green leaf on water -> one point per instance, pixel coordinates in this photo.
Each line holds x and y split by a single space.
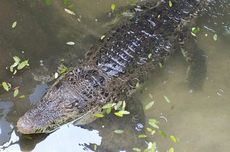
154 123
149 105
195 30
16 62
136 149
173 138
16 92
162 133
170 3
151 147
6 86
70 43
215 37
123 105
152 132
23 64
69 11
167 99
121 113
108 110
113 7
14 24
142 136
118 131
118 105
108 105
62 69
171 149
99 115
22 97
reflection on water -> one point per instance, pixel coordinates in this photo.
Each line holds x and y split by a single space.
199 120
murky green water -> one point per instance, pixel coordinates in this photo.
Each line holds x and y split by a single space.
198 120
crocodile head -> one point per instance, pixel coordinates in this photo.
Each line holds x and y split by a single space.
71 98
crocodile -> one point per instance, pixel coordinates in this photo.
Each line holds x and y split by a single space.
122 57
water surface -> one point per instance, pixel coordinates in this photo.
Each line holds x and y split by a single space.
199 120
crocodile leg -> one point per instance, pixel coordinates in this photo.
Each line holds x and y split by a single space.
195 57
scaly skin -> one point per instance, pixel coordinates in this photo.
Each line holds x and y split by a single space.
107 74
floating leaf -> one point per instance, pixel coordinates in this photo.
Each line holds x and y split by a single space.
160 65
171 149
173 138
121 113
136 149
215 37
162 133
151 147
108 105
149 105
118 105
195 30
167 99
108 110
62 69
99 115
23 64
153 123
16 92
142 136
150 55
94 147
56 75
123 105
14 24
113 7
16 62
6 86
69 11
102 37
118 131
152 132
22 97
70 43
170 3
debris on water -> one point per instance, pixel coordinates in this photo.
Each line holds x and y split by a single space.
118 131
149 105
136 149
139 127
16 92
6 86
154 123
162 133
170 3
113 7
215 37
171 150
102 37
164 118
70 43
220 92
69 11
142 136
173 138
14 24
167 99
56 75
195 30
99 115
